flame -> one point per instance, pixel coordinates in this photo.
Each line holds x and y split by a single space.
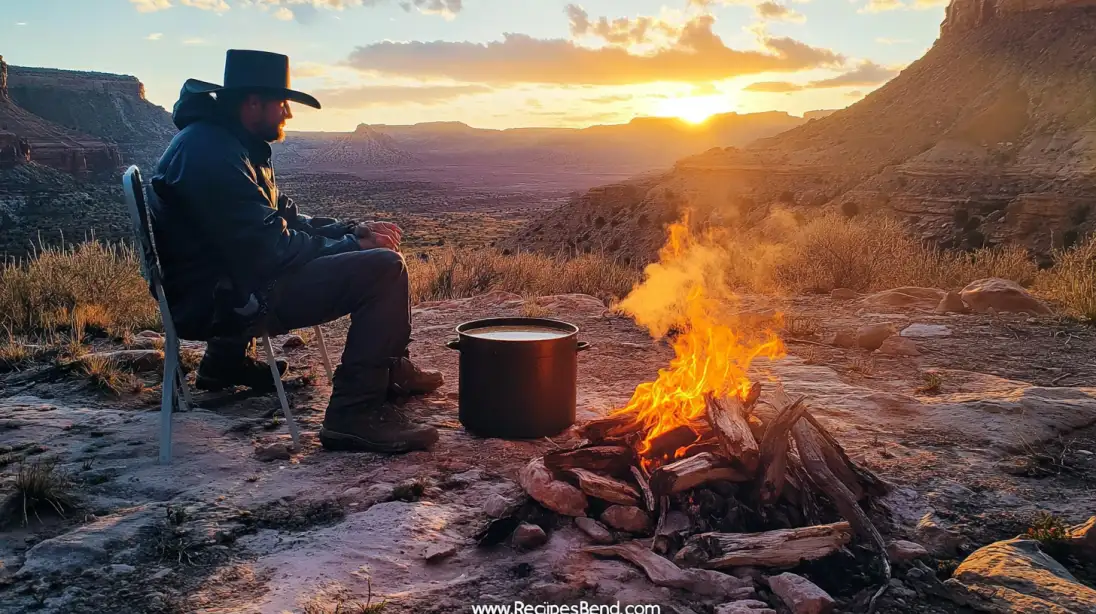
685 294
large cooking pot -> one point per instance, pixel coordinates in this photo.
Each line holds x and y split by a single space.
517 376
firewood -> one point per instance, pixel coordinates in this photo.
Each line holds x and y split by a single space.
693 471
608 460
556 495
751 397
665 444
781 548
605 488
609 427
774 451
728 421
866 480
710 446
644 487
673 528
663 572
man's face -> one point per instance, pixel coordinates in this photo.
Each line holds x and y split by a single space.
268 118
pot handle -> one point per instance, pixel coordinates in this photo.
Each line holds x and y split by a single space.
453 344
583 346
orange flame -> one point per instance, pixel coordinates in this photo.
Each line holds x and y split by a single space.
685 293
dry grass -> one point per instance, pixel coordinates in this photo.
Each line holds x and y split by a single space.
107 375
933 383
1071 282
41 487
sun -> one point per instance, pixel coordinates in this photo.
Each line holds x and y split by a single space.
694 109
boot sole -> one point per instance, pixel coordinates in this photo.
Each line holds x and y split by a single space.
342 442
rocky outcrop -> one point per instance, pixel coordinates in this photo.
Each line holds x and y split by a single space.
108 106
965 15
365 147
48 143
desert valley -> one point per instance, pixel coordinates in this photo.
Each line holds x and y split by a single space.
839 362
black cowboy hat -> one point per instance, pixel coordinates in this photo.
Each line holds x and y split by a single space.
254 71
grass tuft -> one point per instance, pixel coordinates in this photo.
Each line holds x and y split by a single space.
41 487
106 374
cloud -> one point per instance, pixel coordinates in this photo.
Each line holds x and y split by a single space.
609 99
381 95
155 36
879 6
446 8
217 6
283 14
195 41
306 70
778 12
698 54
622 31
150 6
855 94
867 73
20 23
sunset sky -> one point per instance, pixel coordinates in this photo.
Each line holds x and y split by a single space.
495 63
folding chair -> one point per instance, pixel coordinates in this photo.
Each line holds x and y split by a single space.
174 381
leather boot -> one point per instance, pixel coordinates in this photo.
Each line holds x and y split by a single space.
359 418
407 379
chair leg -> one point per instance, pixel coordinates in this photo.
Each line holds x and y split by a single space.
324 355
167 402
294 432
185 400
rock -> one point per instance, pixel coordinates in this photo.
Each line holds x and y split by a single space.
120 569
556 495
901 551
898 346
626 518
351 494
437 552
594 530
160 575
92 543
841 339
801 595
843 294
529 536
747 606
872 336
1001 295
1016 576
925 330
379 492
951 303
498 506
293 341
909 296
1083 536
936 539
273 452
138 361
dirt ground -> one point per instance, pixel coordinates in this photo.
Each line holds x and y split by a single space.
1009 433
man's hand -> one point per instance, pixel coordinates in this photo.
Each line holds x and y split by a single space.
373 235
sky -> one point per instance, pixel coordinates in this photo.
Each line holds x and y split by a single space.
495 63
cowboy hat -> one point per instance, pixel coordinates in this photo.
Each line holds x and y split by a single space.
258 71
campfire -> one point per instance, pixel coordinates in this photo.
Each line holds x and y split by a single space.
703 469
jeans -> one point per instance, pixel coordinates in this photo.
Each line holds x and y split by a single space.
370 286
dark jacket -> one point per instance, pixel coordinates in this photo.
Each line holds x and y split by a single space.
223 232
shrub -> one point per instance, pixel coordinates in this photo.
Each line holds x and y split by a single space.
1071 282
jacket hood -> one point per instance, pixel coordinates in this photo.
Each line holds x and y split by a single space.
192 107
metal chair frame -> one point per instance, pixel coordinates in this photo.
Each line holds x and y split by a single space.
175 392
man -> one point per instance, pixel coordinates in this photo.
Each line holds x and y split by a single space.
239 258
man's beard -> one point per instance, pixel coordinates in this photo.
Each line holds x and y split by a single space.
273 134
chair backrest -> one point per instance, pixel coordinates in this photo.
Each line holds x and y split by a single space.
142 232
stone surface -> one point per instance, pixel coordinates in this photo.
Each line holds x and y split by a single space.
1083 536
556 495
898 346
843 294
918 331
273 452
1015 576
951 303
902 550
627 518
528 536
122 569
909 296
800 595
936 539
498 506
92 543
746 606
841 339
594 530
872 336
438 552
293 341
966 15
1001 295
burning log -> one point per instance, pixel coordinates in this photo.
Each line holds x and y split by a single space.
556 495
606 489
782 548
616 426
667 443
609 460
663 572
729 422
693 471
774 451
645 488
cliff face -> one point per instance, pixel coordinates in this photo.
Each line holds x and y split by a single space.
110 107
46 142
989 138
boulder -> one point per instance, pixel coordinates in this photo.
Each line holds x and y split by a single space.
951 303
919 331
936 539
872 336
627 518
273 452
594 530
1001 295
498 506
909 296
898 346
800 595
437 552
841 339
1083 537
293 341
843 294
529 536
901 551
1015 576
556 495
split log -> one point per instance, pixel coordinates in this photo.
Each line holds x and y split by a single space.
673 528
644 487
665 444
607 460
710 446
751 397
605 488
728 420
693 471
781 548
866 480
615 426
799 485
663 572
774 451
556 495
